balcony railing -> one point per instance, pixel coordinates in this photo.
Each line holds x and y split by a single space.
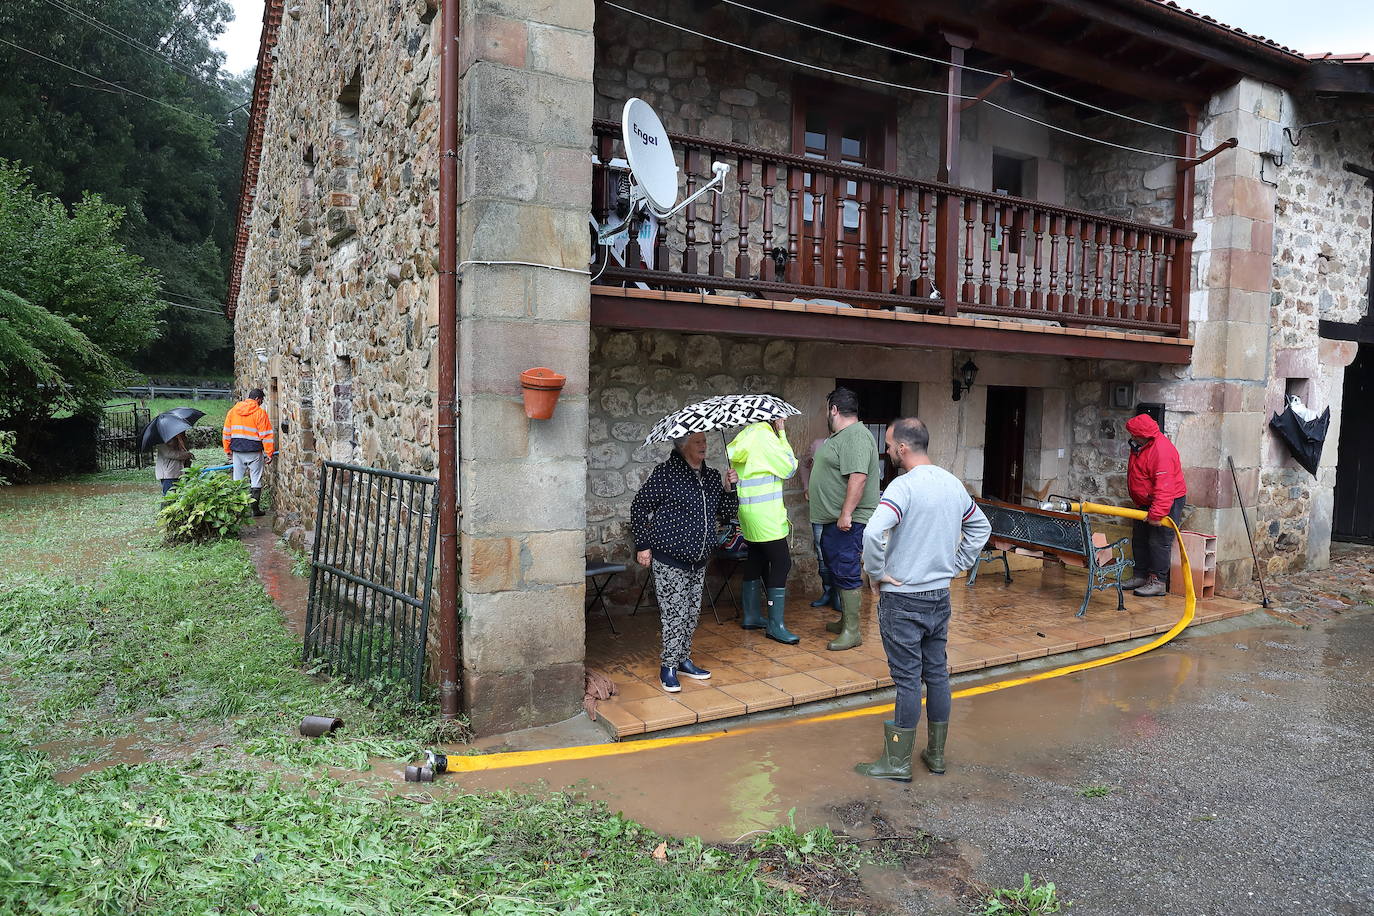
787 226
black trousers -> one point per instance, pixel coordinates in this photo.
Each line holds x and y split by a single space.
1153 544
770 561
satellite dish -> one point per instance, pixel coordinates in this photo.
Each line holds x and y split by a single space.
650 154
653 167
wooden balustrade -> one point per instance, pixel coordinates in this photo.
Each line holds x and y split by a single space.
788 226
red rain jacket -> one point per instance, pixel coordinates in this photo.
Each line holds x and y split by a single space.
1154 474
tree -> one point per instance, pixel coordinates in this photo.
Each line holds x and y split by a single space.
74 304
128 99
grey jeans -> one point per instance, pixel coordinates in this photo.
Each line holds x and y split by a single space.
915 630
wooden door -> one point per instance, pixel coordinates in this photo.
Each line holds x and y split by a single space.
840 215
1004 444
1353 513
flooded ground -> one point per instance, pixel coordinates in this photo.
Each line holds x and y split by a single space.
290 591
1221 774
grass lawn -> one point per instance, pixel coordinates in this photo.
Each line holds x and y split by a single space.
214 410
164 679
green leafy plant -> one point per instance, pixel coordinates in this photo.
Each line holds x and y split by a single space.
1096 791
801 847
7 440
205 507
1027 900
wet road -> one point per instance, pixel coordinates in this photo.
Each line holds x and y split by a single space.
1240 767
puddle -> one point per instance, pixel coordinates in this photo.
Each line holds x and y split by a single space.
1002 744
288 591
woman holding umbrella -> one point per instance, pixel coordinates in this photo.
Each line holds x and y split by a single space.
677 512
675 516
167 435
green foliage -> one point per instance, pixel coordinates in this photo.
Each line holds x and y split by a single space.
172 165
7 440
1026 900
798 848
1096 791
205 507
166 840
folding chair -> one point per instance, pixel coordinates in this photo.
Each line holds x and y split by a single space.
608 572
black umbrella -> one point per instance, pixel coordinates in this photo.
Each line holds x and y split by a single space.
1304 438
167 425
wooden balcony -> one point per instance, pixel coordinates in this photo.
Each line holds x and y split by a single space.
789 230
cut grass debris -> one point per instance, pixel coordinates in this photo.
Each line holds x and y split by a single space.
157 840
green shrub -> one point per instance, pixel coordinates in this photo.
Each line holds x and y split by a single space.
205 507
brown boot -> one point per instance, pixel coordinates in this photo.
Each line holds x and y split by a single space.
1135 582
1152 589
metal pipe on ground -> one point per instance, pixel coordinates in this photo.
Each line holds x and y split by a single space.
448 366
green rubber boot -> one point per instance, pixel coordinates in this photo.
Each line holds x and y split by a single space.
895 763
850 599
835 626
751 598
777 600
934 754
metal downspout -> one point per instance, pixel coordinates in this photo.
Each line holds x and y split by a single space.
448 363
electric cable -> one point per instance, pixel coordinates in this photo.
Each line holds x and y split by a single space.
878 82
139 46
115 86
968 67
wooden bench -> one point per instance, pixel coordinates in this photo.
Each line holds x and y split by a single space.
1063 536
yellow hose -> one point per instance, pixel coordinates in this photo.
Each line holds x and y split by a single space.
586 752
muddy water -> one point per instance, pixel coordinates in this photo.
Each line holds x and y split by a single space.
725 789
289 591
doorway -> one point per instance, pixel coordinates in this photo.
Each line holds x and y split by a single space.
1004 444
848 127
1353 512
879 404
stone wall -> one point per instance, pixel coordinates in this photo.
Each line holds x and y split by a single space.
1122 183
1321 271
337 314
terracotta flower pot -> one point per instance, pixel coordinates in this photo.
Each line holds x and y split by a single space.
541 388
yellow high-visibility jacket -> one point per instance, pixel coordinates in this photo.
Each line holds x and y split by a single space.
247 422
763 459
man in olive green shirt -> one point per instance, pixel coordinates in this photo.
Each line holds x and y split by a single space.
844 490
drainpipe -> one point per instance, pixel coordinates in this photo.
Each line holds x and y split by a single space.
448 360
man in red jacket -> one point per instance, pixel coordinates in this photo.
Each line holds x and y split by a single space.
1154 478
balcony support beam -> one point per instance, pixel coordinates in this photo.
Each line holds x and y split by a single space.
948 207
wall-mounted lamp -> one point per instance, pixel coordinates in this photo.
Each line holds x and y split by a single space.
967 373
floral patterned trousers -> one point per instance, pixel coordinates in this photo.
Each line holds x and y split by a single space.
679 604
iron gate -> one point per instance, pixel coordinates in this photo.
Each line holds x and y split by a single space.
371 575
116 439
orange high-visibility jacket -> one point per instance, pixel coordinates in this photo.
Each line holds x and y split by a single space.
247 420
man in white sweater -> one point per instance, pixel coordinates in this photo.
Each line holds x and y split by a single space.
925 530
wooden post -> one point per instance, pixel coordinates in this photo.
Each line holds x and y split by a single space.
1184 196
947 206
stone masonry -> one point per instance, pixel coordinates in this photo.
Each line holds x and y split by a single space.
336 319
526 87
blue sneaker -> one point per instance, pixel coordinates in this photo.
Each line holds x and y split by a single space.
668 678
692 671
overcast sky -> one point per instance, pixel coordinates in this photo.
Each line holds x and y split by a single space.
1310 26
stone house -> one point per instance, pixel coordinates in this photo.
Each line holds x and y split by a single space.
1082 231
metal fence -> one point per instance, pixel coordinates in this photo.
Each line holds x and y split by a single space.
116 438
371 575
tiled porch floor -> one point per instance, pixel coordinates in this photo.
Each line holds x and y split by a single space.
993 624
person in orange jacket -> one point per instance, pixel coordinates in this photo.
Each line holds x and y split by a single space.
248 443
1154 478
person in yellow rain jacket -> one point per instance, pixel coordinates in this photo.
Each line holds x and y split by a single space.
248 443
763 459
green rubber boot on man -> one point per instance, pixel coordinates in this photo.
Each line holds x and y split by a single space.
751 599
895 762
850 601
934 754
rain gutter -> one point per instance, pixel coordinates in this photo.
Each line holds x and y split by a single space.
448 361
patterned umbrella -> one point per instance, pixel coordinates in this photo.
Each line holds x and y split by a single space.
724 411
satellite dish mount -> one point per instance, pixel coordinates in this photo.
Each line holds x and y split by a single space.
653 168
